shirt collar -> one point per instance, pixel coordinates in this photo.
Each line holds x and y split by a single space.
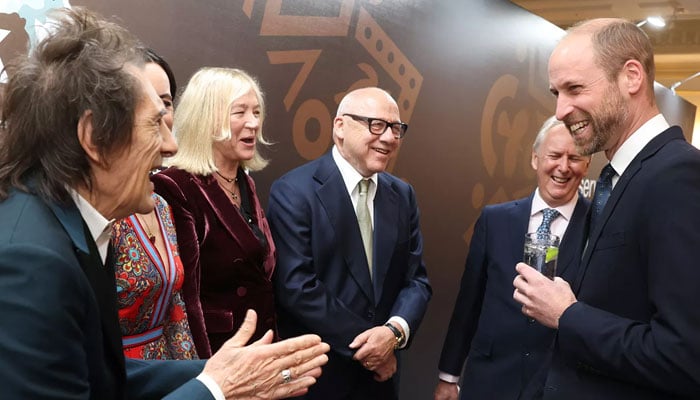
566 210
99 226
350 175
635 143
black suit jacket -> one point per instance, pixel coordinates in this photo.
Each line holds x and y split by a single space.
59 333
504 348
635 331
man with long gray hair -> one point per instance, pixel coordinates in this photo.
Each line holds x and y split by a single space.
81 129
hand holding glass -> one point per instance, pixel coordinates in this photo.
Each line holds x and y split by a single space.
541 252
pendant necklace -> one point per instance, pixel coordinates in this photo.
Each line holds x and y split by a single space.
151 236
233 194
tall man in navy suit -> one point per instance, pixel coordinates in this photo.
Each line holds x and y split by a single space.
355 277
502 347
628 325
81 129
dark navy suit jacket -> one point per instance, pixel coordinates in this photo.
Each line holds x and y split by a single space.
322 282
635 331
59 331
503 348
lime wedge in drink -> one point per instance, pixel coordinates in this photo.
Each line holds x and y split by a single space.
552 254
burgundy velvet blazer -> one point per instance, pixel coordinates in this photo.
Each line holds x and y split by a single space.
227 269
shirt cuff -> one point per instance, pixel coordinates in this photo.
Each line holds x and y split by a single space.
448 378
212 386
404 325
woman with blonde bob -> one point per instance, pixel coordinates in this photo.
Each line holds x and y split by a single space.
224 238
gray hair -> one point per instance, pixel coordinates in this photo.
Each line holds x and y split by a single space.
78 67
550 123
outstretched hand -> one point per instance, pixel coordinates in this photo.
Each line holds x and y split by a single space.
255 371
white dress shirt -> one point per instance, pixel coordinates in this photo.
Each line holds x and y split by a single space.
351 178
101 230
634 144
560 223
558 227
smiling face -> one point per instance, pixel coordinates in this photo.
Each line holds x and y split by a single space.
559 166
245 124
127 184
366 152
592 107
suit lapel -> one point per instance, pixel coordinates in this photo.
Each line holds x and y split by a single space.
519 216
101 280
103 284
227 214
573 238
334 198
386 217
673 133
594 235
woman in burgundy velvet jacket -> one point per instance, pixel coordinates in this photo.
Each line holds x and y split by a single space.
224 238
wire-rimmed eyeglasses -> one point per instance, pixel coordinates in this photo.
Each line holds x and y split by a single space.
378 126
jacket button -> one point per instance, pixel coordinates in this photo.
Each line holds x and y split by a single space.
241 291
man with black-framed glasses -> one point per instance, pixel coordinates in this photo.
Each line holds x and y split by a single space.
349 252
377 126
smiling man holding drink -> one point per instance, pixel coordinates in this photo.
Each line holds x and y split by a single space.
506 346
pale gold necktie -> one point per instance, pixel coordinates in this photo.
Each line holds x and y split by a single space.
364 220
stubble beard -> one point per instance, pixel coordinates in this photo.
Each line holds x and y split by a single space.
606 122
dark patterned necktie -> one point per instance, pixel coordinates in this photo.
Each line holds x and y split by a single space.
603 188
548 215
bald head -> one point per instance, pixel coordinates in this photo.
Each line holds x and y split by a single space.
368 98
367 151
592 25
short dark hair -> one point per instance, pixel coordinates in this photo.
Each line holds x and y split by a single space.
153 57
78 67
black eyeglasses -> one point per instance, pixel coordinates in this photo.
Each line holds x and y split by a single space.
378 126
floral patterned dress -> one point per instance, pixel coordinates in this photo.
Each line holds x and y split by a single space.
151 311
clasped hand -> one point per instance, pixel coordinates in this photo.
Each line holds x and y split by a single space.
375 351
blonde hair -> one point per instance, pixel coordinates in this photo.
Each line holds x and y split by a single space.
203 117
